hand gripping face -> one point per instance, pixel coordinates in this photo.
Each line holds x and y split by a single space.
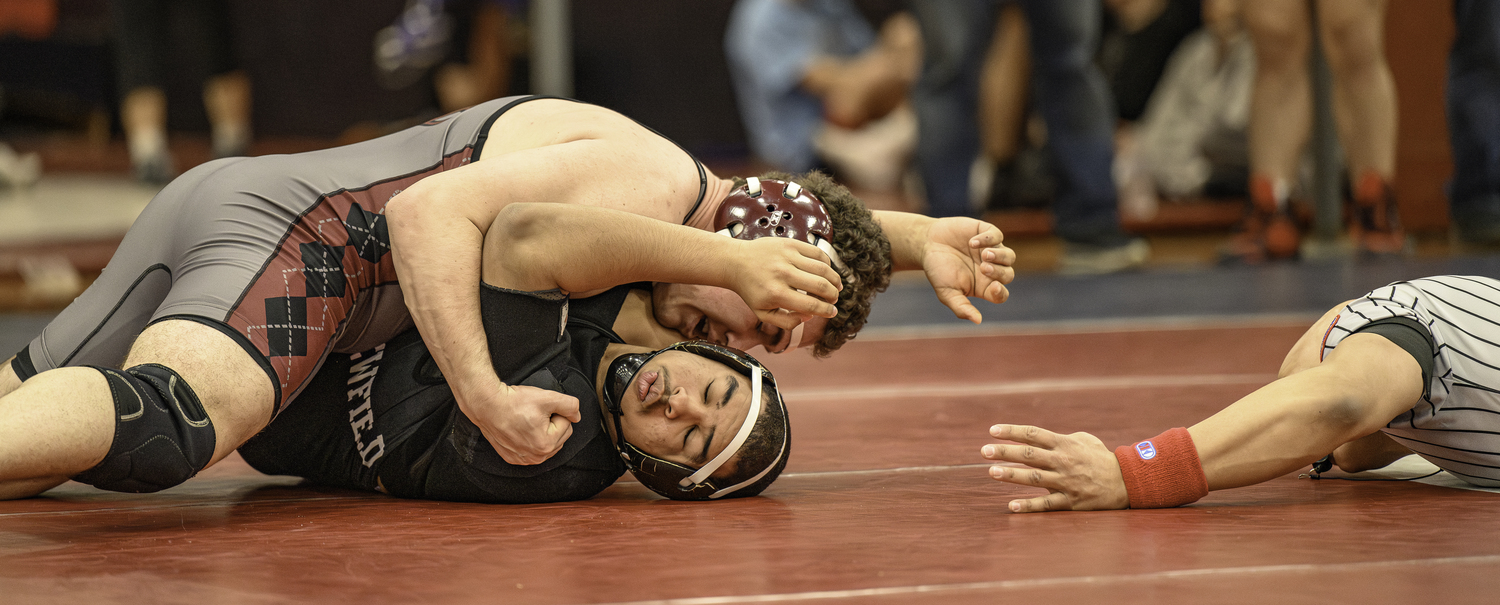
679 482
772 208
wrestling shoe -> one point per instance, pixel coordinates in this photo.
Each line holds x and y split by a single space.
1100 259
1269 231
1375 225
154 169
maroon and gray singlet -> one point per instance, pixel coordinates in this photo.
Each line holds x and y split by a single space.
288 254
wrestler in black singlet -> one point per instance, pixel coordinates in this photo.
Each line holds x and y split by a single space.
384 419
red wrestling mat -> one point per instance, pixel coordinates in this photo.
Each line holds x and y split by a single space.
885 501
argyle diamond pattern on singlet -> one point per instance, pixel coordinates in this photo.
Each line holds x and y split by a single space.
324 269
368 233
286 326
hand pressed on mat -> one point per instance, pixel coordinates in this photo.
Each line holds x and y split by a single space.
1077 470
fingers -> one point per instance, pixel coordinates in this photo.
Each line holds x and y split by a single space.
1023 475
817 254
996 293
1029 435
1029 455
1050 502
559 428
1002 273
959 304
999 255
779 318
816 278
552 404
990 236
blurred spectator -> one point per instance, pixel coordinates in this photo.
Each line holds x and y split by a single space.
1364 107
485 45
151 36
33 19
1145 34
818 87
1192 134
1010 133
19 169
1474 121
1069 91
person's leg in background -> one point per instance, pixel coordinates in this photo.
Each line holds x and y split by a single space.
1004 90
1474 121
141 35
1074 100
1364 100
955 36
1280 124
207 37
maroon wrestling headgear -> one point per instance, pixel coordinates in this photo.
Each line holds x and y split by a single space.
777 209
773 208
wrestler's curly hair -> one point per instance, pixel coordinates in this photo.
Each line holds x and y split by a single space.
863 247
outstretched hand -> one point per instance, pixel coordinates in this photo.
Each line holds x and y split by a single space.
965 257
1077 470
785 281
526 425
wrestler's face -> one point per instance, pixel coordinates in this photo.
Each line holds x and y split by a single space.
720 316
684 408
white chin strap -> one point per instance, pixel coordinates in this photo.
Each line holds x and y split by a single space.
796 338
734 445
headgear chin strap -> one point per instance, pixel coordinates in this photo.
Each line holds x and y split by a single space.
774 208
677 481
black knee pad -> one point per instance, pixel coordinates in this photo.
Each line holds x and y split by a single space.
162 434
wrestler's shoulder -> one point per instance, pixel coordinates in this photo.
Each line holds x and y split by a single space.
541 122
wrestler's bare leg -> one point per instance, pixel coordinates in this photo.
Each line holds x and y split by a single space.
60 422
8 379
1372 451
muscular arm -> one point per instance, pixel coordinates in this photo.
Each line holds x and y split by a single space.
438 225
1364 383
580 249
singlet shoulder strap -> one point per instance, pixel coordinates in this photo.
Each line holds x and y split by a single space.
702 173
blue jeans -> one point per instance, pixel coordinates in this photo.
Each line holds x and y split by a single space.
1474 114
1067 87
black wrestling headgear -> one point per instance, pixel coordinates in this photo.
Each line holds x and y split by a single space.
679 482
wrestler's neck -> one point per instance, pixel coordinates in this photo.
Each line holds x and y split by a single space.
713 197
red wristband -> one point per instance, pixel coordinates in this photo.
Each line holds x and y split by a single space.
1163 471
